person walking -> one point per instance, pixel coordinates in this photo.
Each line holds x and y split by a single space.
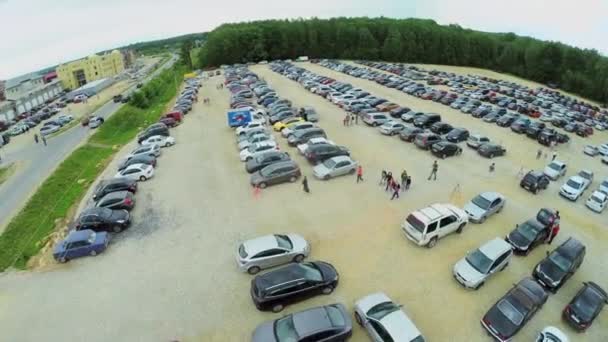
539 153
44 140
492 167
359 174
389 180
403 179
408 182
553 233
434 171
396 188
347 120
36 138
382 177
554 155
356 119
305 185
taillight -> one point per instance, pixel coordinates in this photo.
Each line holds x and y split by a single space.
128 201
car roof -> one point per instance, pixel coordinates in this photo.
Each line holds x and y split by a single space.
528 292
138 166
557 162
115 194
577 179
596 288
433 212
259 244
338 159
491 195
599 194
78 235
570 248
495 248
309 321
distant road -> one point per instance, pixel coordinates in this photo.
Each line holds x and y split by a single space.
38 161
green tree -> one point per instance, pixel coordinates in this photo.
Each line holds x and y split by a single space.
391 49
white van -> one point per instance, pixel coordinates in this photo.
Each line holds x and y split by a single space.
425 226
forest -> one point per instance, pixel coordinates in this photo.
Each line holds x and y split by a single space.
160 46
580 71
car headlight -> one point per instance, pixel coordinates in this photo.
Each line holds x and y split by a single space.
120 221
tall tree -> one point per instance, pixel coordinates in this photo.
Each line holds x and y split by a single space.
391 49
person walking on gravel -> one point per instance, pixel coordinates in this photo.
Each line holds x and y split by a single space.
383 177
539 153
434 171
36 138
359 174
408 182
389 180
396 189
305 185
403 179
44 140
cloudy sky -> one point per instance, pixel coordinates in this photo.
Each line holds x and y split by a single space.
41 33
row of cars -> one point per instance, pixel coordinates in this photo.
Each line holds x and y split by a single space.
113 199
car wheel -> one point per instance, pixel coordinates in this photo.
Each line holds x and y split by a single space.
277 308
292 179
505 266
460 228
63 260
93 253
142 178
482 219
479 285
253 270
262 185
167 144
117 229
433 242
358 318
352 171
298 258
327 290
326 177
375 124
535 191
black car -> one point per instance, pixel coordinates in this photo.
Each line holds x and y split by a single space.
554 270
480 113
526 236
457 135
265 159
445 149
511 312
150 132
397 112
117 184
409 133
138 159
280 116
426 120
534 130
490 150
117 98
505 120
520 126
303 135
426 140
585 306
103 219
292 283
320 152
117 200
441 127
534 181
492 117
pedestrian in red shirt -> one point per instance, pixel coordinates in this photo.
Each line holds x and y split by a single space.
359 174
553 234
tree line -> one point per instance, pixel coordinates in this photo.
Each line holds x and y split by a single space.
581 71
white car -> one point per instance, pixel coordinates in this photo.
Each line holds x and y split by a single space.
591 150
426 226
391 127
597 201
586 175
555 169
289 130
244 129
50 129
150 150
271 250
604 186
254 139
473 270
603 149
140 172
384 320
256 149
313 141
573 188
159 140
551 334
334 167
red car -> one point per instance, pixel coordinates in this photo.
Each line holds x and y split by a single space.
176 115
170 122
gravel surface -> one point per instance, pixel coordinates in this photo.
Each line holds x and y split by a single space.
172 275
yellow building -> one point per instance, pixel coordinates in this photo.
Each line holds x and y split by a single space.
75 74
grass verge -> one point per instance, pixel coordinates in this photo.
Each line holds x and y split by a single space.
6 172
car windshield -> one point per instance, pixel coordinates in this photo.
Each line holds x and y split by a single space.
329 163
335 316
92 237
414 222
510 312
562 262
378 311
284 330
284 242
528 231
479 261
586 304
585 175
310 271
242 252
574 184
596 199
605 183
267 170
481 202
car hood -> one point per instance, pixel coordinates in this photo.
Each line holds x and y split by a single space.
320 170
467 272
264 333
549 171
518 240
570 189
473 210
119 215
497 322
299 243
550 272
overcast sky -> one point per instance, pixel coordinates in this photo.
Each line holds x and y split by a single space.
40 33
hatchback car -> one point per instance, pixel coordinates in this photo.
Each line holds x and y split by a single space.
553 271
573 188
103 219
111 185
258 148
551 334
150 150
140 159
265 159
526 236
160 140
313 141
302 136
490 150
319 153
334 167
385 320
298 126
140 172
555 169
391 127
291 283
511 312
441 127
585 306
375 119
276 173
444 149
591 150
534 181
477 140
597 201
409 133
117 200
329 323
426 140
473 270
484 205
81 243
426 226
271 250
457 135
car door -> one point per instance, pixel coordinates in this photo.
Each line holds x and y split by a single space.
499 263
447 225
341 168
273 257
494 206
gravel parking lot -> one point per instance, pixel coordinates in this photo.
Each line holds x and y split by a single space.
173 275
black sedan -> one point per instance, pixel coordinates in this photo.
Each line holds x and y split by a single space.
445 149
409 133
490 150
534 181
292 283
457 135
116 184
265 159
441 127
526 236
511 312
117 200
103 219
585 306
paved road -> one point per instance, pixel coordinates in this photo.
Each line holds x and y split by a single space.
38 161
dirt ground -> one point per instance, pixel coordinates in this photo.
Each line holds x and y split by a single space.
172 275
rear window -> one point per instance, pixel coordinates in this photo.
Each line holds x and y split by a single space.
335 316
416 223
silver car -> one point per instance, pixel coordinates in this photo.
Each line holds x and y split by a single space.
473 270
391 127
148 150
271 250
335 166
384 320
254 139
484 205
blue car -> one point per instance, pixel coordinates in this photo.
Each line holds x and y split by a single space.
81 243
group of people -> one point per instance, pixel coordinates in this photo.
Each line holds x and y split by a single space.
206 100
220 86
43 139
539 154
350 118
390 183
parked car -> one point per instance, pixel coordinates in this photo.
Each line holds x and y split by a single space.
149 150
484 205
391 127
80 243
573 188
140 159
511 312
265 159
534 181
457 135
298 126
140 172
291 283
375 119
276 173
256 149
271 250
490 150
111 185
117 200
385 320
303 136
95 121
591 150
409 133
585 306
555 169
445 149
320 152
311 142
309 114
155 129
329 323
597 201
160 140
103 219
473 270
477 140
527 236
280 125
50 129
426 140
427 120
334 167
426 226
587 176
553 271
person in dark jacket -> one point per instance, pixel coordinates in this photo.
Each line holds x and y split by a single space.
305 185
